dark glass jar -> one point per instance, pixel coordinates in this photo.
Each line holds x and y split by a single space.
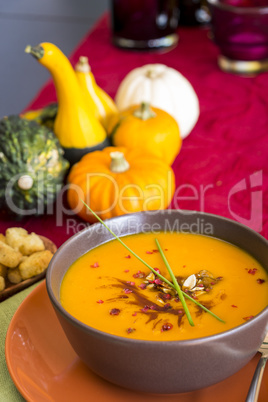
144 24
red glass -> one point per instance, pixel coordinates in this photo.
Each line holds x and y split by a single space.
240 29
144 24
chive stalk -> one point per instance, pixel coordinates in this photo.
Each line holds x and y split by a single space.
175 283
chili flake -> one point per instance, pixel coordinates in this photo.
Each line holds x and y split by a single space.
114 311
167 306
139 274
252 271
126 290
149 252
248 318
166 327
100 301
260 281
142 286
131 283
95 265
166 296
233 305
145 309
130 330
128 256
126 270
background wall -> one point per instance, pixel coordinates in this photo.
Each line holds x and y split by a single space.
29 22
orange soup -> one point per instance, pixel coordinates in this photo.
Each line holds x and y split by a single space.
111 290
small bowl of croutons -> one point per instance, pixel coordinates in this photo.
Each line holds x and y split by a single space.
24 258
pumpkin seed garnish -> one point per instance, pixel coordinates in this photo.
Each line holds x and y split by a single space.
189 282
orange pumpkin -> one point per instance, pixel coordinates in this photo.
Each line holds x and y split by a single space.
148 128
117 181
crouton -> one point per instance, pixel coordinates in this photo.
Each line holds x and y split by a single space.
14 275
35 264
3 270
8 256
2 283
2 238
25 243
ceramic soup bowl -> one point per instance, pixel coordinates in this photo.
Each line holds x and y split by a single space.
165 367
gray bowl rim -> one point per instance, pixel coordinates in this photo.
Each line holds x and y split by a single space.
116 338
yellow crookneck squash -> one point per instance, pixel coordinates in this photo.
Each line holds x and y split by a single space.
147 128
117 181
76 125
99 101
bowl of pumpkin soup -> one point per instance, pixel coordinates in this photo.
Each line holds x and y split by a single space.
162 302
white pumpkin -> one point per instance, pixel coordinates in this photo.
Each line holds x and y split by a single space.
162 87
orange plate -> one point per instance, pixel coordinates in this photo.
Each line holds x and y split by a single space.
11 288
44 366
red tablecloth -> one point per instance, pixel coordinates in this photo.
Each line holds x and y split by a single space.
222 167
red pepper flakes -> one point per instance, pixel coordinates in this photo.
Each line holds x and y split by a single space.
95 265
130 330
184 266
248 318
126 290
126 270
149 252
155 251
260 281
157 270
114 311
100 301
166 327
252 271
145 309
130 283
142 286
167 306
139 274
233 305
128 256
166 249
134 314
213 283
158 281
166 296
